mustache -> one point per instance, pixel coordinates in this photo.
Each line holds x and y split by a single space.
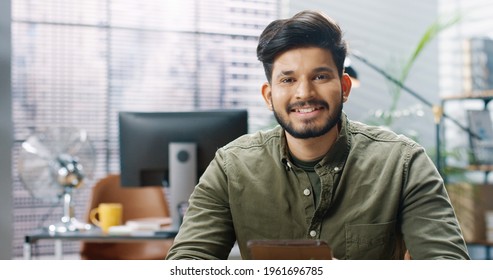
310 103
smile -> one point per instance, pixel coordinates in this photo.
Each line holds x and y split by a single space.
306 107
306 110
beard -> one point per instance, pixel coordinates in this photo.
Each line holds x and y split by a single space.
310 130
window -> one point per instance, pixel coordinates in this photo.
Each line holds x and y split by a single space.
78 63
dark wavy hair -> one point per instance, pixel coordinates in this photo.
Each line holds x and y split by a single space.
305 29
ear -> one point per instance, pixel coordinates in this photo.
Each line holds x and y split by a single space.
346 86
267 94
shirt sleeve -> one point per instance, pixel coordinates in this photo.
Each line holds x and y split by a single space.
429 224
207 230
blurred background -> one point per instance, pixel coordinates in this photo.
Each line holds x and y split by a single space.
77 64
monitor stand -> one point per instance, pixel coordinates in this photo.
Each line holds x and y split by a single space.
182 178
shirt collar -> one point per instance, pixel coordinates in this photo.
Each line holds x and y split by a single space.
338 153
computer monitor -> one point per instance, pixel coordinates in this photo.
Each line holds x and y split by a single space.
174 148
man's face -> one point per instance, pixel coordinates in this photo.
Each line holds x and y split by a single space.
306 92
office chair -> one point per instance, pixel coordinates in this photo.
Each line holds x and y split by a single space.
138 202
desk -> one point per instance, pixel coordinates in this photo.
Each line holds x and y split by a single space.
92 235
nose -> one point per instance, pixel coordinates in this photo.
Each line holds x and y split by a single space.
304 89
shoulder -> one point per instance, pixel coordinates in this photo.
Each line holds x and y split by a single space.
363 132
260 139
382 142
251 150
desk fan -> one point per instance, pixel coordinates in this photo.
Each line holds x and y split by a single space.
52 164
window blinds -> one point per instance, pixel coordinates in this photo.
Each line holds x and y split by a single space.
78 63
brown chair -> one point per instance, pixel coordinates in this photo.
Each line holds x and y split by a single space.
137 203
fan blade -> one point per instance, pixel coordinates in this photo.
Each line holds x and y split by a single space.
53 159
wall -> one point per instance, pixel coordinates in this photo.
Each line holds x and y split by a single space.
5 134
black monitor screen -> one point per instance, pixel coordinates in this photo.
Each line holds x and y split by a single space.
145 136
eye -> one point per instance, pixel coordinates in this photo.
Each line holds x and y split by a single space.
321 77
287 80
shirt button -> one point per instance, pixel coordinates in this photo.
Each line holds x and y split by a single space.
313 233
306 192
336 169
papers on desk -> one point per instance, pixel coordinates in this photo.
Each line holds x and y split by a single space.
119 230
141 226
152 224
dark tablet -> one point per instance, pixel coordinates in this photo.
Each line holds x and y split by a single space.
289 250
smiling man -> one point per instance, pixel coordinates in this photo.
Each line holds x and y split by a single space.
367 192
305 81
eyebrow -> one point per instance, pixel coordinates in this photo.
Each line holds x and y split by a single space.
316 70
285 73
323 69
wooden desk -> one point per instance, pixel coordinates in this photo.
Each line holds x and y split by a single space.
92 235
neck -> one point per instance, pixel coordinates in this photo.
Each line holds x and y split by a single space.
312 149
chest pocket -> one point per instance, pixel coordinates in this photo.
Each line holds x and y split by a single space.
371 241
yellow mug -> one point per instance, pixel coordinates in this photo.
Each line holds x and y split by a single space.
107 215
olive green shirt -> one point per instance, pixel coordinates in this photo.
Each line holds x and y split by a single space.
379 193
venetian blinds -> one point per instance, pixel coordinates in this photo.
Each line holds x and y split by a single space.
78 63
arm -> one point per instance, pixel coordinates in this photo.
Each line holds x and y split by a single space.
207 231
429 224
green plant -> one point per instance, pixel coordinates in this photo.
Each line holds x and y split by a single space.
387 117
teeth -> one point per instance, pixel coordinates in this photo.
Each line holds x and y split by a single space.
305 110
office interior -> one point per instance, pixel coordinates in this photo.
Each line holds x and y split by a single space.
79 63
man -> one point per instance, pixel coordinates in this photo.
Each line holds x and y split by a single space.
367 192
